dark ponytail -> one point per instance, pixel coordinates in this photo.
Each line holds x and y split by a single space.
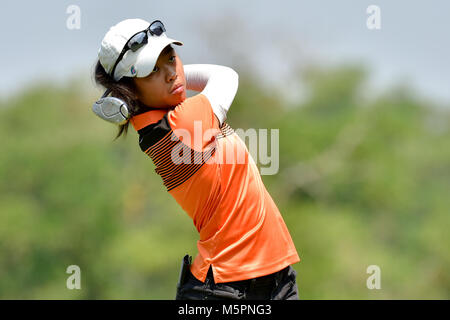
123 89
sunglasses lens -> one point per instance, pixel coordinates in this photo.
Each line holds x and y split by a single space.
157 28
138 41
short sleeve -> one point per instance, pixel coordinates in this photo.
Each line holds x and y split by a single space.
193 122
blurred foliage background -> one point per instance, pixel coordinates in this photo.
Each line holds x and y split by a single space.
362 181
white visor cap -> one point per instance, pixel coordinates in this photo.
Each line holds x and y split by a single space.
133 64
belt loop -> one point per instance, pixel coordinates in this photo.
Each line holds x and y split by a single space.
251 285
278 278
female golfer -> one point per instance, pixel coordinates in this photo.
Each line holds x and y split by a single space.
245 250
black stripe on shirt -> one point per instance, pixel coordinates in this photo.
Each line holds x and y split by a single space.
154 132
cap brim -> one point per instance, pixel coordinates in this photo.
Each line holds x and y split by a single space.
148 55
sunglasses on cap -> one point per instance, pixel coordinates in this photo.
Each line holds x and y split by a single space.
137 41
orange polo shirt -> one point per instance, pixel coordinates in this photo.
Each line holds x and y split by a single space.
212 176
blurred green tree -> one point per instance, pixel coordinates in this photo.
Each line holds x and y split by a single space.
361 182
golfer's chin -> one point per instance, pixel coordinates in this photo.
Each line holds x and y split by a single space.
177 99
169 103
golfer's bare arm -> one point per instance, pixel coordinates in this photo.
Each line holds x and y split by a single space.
218 83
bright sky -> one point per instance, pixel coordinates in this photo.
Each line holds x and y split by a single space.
412 45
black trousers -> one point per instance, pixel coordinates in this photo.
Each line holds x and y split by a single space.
277 286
